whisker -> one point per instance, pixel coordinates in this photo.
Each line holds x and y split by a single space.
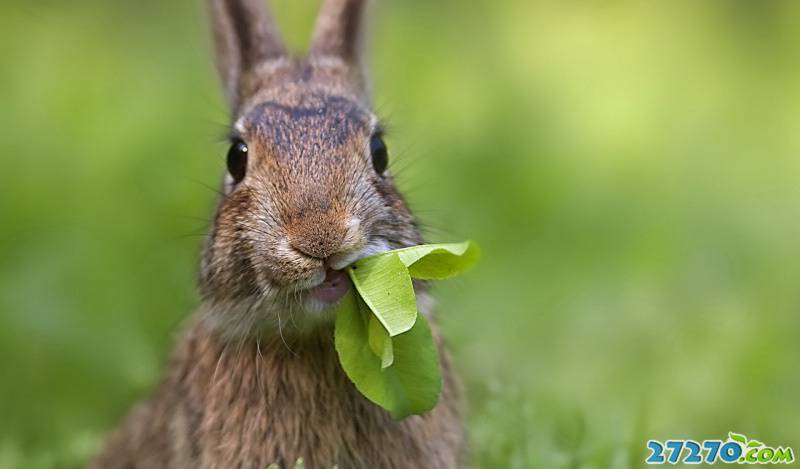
219 360
280 332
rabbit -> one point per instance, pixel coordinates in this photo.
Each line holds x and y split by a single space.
254 379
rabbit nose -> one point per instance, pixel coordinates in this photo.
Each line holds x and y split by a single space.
318 235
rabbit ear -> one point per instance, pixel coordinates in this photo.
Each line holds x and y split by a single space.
338 32
245 36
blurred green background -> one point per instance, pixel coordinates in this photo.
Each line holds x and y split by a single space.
630 169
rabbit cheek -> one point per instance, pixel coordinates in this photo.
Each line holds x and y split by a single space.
230 262
288 268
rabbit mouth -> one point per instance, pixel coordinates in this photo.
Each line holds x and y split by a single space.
328 288
297 308
334 286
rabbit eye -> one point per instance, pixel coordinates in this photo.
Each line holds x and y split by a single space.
237 160
380 156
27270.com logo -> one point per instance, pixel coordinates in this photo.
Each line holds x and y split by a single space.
737 449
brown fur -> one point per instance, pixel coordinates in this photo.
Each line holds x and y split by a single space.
250 404
255 379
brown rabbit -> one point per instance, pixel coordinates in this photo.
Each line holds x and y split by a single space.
255 379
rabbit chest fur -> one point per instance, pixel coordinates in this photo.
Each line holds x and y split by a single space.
254 403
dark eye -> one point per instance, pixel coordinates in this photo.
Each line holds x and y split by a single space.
380 156
237 160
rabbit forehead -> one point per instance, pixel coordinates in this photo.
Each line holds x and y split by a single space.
301 125
318 120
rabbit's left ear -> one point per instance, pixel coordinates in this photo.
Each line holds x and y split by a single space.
245 36
338 34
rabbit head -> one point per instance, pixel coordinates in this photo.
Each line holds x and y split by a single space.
307 189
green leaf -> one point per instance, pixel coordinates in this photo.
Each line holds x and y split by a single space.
411 385
385 347
439 261
385 285
379 340
754 444
737 437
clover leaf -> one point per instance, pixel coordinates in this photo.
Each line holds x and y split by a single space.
385 347
439 261
383 283
411 385
380 342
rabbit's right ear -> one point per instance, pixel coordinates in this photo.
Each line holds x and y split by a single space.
245 36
